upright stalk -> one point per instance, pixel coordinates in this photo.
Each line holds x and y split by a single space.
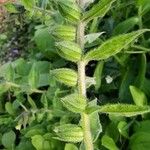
82 85
141 23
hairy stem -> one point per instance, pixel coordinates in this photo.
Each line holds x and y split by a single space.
82 85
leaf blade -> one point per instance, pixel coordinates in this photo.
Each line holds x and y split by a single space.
98 10
127 110
113 46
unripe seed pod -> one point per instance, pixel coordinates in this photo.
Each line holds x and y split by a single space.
69 50
70 10
66 76
75 103
63 32
69 133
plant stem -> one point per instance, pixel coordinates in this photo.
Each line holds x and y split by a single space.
141 48
81 78
82 85
141 23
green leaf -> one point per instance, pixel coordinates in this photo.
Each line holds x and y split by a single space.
44 101
28 4
142 68
10 73
24 145
145 87
126 110
123 128
10 8
66 76
46 145
3 88
69 133
22 67
5 120
70 147
145 6
112 131
126 25
34 131
40 115
142 126
9 108
98 10
140 141
33 77
128 78
0 138
96 127
8 140
32 103
74 103
38 142
113 46
139 97
45 42
98 74
92 37
109 143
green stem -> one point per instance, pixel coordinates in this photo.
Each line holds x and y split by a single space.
141 48
84 117
141 23
81 78
82 85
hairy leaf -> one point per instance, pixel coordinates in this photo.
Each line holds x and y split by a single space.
126 110
98 10
113 46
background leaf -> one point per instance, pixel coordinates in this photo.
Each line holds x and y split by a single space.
109 143
140 141
70 147
8 140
